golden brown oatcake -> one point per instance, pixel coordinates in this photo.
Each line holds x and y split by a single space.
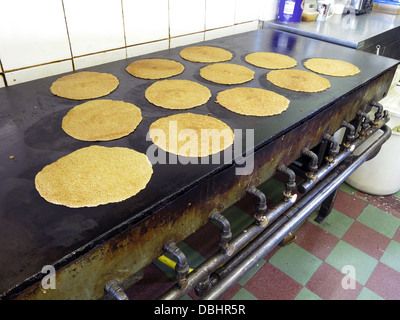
226 73
298 80
270 60
101 120
253 101
205 54
84 85
331 67
177 94
191 135
155 68
93 176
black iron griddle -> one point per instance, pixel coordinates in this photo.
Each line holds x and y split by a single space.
35 233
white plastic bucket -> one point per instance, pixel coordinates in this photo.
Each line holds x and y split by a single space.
381 174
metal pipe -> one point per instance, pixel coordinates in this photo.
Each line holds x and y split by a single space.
204 270
203 287
225 234
337 177
114 288
334 148
280 218
352 130
306 185
364 122
182 267
261 205
280 208
239 242
378 114
291 183
313 164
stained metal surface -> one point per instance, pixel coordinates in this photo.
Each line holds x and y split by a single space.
362 32
121 238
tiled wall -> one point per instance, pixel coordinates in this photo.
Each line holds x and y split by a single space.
39 38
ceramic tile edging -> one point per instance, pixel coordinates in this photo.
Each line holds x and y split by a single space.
7 84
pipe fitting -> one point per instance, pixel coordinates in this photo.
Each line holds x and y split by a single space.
203 287
313 164
378 114
334 147
291 183
114 288
225 234
351 135
261 205
364 120
182 267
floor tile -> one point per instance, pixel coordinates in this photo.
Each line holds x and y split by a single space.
367 294
196 240
391 257
344 255
348 204
389 204
379 220
238 219
347 188
251 272
335 223
326 283
243 294
366 239
296 262
270 283
315 240
231 292
306 294
396 237
384 281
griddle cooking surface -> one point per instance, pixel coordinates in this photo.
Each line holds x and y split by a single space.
35 233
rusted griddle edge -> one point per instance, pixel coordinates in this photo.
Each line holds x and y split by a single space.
127 253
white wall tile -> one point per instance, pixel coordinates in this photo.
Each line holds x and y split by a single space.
34 40
245 27
220 13
268 10
247 10
99 58
145 21
94 25
2 84
219 33
186 40
186 16
32 33
146 48
24 75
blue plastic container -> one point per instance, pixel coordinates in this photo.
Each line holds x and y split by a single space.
290 11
